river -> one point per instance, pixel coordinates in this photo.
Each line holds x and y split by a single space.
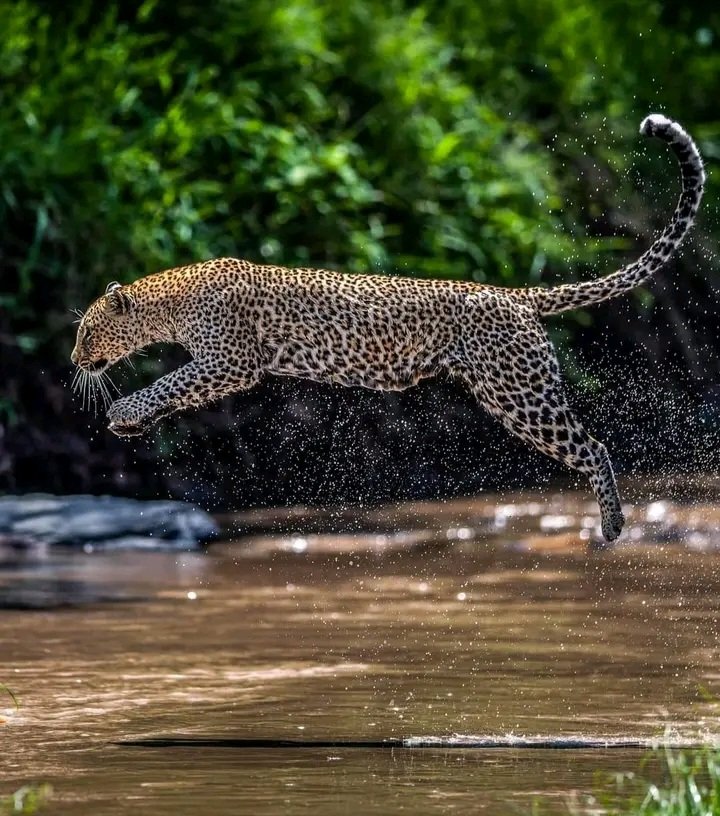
474 656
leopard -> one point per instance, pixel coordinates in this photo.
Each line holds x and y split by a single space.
240 320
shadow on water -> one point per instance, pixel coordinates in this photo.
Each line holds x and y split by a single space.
558 743
415 660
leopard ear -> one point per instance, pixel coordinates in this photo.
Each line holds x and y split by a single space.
118 300
111 286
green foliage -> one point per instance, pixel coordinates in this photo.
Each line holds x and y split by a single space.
25 801
293 132
691 788
30 798
11 694
487 141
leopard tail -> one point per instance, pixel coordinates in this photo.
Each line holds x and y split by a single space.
576 295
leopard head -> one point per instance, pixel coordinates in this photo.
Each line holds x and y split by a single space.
109 330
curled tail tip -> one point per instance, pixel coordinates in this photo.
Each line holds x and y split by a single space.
679 140
663 128
656 122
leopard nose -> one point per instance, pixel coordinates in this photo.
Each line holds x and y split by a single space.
74 357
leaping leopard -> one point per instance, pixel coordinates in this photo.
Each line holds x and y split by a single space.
240 320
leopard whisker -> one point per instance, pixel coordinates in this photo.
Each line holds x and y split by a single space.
103 381
87 391
83 389
77 383
102 393
93 388
99 391
108 379
91 399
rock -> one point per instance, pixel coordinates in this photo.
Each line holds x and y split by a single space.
105 522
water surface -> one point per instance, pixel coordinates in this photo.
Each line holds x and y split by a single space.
292 671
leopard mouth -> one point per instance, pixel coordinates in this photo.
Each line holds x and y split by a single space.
94 367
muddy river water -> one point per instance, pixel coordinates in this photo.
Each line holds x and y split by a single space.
465 657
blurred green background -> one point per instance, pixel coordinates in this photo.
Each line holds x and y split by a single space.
492 141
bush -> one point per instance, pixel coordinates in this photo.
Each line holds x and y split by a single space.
491 141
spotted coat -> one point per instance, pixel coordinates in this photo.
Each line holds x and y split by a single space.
240 320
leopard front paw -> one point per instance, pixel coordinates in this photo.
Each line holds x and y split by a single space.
126 418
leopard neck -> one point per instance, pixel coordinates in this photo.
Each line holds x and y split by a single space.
155 299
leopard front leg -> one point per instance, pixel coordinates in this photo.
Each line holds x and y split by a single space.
192 385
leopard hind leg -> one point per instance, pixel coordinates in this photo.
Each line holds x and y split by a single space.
519 383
